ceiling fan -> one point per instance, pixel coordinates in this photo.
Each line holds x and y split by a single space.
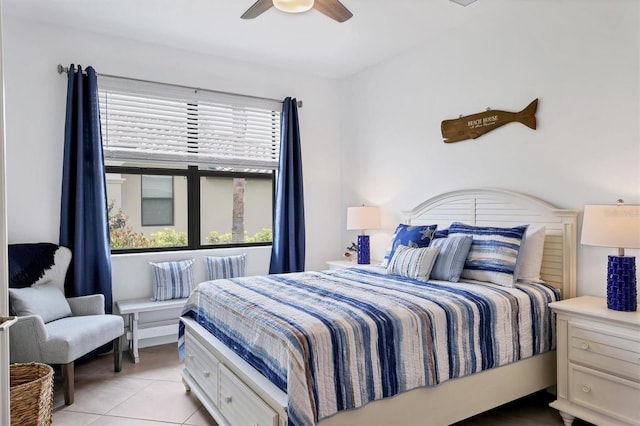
332 8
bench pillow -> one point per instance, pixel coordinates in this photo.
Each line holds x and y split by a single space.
225 266
172 280
45 300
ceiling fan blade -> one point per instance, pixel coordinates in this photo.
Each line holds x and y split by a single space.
333 9
257 9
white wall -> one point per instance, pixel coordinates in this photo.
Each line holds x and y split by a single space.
132 273
4 279
35 109
5 413
580 58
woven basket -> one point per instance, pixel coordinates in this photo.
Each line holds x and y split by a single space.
31 389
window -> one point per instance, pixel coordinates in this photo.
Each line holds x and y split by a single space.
157 200
247 197
187 168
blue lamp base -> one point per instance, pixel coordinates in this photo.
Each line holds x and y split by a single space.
364 257
621 283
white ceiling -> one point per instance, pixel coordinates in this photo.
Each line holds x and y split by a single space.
308 42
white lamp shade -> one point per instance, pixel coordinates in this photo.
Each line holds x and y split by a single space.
611 226
363 217
293 6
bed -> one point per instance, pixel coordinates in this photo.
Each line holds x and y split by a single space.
231 380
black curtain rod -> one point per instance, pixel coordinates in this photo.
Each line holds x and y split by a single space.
62 69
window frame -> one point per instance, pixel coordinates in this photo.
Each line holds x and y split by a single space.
190 132
193 175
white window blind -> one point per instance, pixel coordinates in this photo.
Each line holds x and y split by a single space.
144 121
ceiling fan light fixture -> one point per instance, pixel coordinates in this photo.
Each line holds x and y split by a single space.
460 2
293 6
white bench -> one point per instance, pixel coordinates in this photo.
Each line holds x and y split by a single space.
146 319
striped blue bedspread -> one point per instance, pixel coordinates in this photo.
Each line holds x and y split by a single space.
337 339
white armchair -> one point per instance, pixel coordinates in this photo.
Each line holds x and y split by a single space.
51 331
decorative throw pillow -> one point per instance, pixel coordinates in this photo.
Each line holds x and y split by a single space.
493 256
225 266
172 280
410 236
441 233
452 254
530 256
413 263
45 300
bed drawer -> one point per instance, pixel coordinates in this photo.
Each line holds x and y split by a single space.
604 393
203 367
606 350
240 405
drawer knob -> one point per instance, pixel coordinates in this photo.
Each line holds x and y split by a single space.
584 345
190 356
586 388
207 374
228 399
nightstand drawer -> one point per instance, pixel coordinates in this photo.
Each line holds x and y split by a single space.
612 396
605 349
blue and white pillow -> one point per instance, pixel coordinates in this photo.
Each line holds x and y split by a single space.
493 256
410 236
225 266
413 263
453 252
172 280
441 233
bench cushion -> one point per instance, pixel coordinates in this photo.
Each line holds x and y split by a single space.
72 337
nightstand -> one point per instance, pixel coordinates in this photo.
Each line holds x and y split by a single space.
338 264
598 352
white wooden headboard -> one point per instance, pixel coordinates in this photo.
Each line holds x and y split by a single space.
497 207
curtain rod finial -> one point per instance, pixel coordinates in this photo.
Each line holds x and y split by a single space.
61 69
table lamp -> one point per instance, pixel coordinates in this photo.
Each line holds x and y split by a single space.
615 226
363 218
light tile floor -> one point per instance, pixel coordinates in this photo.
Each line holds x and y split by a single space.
148 393
151 393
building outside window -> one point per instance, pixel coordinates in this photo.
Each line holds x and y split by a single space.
157 200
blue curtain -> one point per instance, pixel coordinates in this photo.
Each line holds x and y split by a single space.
288 250
83 210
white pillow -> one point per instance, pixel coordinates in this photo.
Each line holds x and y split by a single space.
45 300
531 255
413 263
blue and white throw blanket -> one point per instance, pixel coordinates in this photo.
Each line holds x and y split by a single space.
335 340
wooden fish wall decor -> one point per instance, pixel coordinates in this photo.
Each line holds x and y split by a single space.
475 125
